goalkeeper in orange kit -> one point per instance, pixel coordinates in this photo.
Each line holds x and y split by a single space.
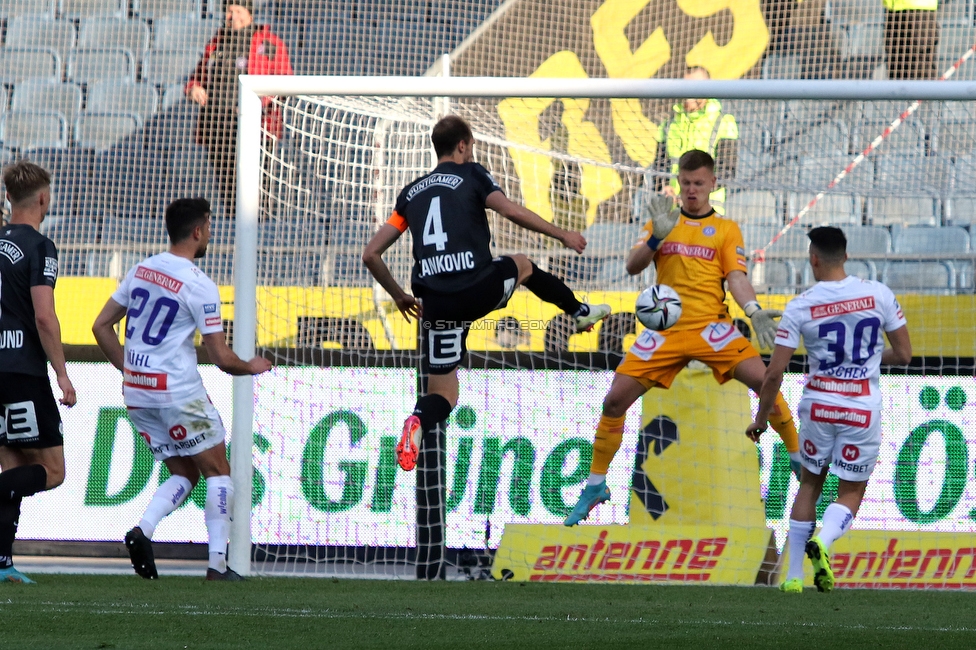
695 251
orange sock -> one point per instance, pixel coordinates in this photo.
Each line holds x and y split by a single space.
609 434
782 422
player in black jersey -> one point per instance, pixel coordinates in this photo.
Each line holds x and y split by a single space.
31 446
455 276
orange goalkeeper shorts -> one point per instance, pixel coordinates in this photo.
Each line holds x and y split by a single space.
656 358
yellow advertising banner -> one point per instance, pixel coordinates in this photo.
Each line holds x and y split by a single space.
696 511
722 555
904 560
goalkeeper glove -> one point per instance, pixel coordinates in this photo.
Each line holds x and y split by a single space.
762 323
663 215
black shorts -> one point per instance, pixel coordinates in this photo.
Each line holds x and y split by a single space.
448 316
30 415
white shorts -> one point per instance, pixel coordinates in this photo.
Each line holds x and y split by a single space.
846 438
183 430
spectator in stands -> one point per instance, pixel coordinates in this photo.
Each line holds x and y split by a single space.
699 124
911 38
240 47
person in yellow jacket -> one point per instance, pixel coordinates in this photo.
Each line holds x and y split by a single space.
911 38
701 124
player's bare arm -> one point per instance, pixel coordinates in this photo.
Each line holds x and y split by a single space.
772 381
373 259
105 335
763 322
49 330
522 216
227 360
640 258
900 352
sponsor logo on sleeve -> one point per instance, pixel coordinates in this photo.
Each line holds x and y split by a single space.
782 334
51 268
842 307
210 308
739 250
212 321
11 251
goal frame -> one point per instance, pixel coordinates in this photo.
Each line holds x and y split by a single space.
253 88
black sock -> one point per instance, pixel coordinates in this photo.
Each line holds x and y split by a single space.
23 481
551 289
432 409
9 514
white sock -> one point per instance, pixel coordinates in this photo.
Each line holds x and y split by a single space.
168 497
217 513
837 520
595 479
800 533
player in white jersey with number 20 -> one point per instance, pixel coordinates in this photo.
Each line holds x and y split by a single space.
841 320
165 299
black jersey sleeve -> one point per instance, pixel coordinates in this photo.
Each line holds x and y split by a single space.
44 264
485 182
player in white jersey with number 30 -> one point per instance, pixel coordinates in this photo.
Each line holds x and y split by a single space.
841 320
165 299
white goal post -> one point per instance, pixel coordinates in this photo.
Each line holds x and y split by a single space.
254 88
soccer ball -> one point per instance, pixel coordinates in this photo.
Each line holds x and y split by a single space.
658 307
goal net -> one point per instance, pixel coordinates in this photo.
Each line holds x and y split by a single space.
691 499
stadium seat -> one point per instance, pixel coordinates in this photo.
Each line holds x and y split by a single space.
757 235
288 268
101 131
778 276
153 9
946 241
909 138
35 31
36 8
89 66
794 243
956 135
113 96
3 100
348 270
39 94
165 67
101 33
133 231
751 205
964 172
70 172
218 265
18 64
856 11
78 9
830 137
183 33
961 211
816 172
908 210
864 269
777 66
172 96
913 173
919 277
954 40
33 129
863 39
831 208
862 240
74 235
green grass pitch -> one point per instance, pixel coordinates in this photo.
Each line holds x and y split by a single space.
184 613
